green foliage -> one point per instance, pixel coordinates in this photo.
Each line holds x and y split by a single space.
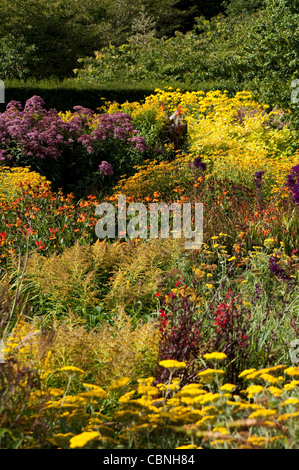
15 57
254 48
62 31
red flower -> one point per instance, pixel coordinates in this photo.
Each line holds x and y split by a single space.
40 245
158 294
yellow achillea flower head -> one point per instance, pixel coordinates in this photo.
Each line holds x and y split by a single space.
287 416
220 429
246 372
147 390
172 364
215 356
262 413
269 378
254 389
257 440
100 393
277 392
290 401
126 397
82 439
118 384
210 372
293 384
227 387
292 371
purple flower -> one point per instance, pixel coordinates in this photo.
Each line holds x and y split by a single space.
197 163
256 295
293 183
277 270
258 179
105 168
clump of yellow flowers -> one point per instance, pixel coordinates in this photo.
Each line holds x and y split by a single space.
232 134
202 414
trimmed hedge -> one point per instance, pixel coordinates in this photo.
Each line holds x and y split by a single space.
65 95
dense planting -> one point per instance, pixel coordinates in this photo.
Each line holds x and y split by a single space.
122 343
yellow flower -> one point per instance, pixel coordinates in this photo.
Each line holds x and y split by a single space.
277 392
246 372
292 371
95 393
232 258
287 416
189 446
293 384
227 387
126 397
120 383
291 401
72 369
147 390
262 413
257 440
269 378
254 389
210 286
210 372
172 364
215 356
82 439
220 429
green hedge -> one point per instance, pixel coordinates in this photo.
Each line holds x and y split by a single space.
65 95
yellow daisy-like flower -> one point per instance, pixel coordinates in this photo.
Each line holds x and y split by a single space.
82 439
172 364
215 356
262 413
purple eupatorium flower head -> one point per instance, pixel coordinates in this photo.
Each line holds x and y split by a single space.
105 168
